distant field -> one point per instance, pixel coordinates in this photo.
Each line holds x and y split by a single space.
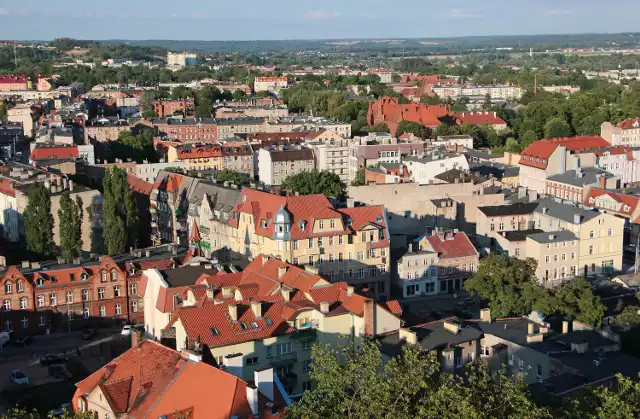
78 52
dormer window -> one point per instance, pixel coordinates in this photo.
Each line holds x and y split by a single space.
303 225
379 219
39 282
263 223
84 276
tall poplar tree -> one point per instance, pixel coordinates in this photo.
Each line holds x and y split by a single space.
70 216
38 221
120 212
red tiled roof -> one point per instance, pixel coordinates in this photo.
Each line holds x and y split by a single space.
480 118
538 153
13 78
40 153
393 306
139 185
170 184
630 202
118 393
629 123
198 151
459 246
389 111
6 187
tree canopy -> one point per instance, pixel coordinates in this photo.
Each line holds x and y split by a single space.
38 221
316 182
70 216
120 212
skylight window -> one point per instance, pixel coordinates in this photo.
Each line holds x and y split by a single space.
243 326
254 325
214 331
268 321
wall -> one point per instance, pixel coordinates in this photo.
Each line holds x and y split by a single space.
530 357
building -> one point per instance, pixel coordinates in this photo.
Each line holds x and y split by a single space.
274 166
600 235
453 141
333 156
386 173
177 61
423 170
347 244
548 157
626 133
513 243
497 219
238 158
169 107
149 171
482 118
11 134
388 111
270 84
22 114
436 264
11 82
271 314
104 130
364 155
197 156
565 90
495 92
152 380
169 206
228 128
52 155
187 130
556 253
571 184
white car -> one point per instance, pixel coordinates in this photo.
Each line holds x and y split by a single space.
18 377
126 330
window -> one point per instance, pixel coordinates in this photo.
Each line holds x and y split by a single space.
412 290
307 344
591 234
85 313
306 365
40 300
103 276
360 256
510 359
484 350
332 223
610 232
20 286
563 256
7 325
539 371
134 306
310 243
70 315
492 227
331 258
321 224
283 348
501 226
24 304
116 291
360 273
134 289
103 311
319 241
7 287
294 245
118 309
590 249
340 239
72 277
6 305
85 295
69 297
53 300
517 252
547 259
521 365
101 293
114 275
252 361
311 262
25 323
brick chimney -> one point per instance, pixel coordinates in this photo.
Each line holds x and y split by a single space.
282 270
233 312
369 317
256 307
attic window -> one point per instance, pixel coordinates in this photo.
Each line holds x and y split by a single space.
72 277
348 221
254 325
303 224
39 282
244 198
214 331
379 219
268 321
263 223
53 278
84 276
243 326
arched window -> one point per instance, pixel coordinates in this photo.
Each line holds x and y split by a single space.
8 287
114 275
104 276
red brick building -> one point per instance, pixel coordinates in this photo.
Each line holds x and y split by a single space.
166 108
387 110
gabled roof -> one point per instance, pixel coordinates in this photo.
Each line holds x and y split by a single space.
630 124
55 153
451 246
538 153
480 118
622 204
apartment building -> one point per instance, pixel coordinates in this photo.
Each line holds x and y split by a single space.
492 221
436 264
387 110
22 114
333 156
104 130
177 61
149 171
270 84
600 235
424 170
482 118
626 133
556 253
571 184
271 314
274 166
495 91
548 157
228 128
187 130
453 141
364 155
169 206
386 173
238 158
513 243
11 82
348 244
197 156
170 107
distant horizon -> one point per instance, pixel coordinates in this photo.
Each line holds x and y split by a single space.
254 20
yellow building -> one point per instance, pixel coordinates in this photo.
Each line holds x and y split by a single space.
197 156
272 314
347 244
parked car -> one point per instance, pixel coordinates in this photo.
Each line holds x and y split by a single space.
89 334
126 330
4 338
18 377
53 359
58 371
64 407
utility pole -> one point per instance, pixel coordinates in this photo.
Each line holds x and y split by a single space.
635 265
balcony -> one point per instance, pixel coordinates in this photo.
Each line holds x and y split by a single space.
305 333
284 359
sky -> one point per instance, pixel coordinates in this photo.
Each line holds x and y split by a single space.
295 19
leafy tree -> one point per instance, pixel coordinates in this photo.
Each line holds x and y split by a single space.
630 316
622 401
412 128
3 112
138 147
360 178
512 146
430 99
239 95
22 413
396 78
445 129
120 212
70 216
240 179
379 127
575 299
38 221
527 138
182 92
556 128
316 182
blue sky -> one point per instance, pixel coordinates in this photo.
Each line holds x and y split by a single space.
289 19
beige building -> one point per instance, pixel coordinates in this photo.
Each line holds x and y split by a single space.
196 156
347 244
22 115
274 166
495 220
333 156
238 158
557 254
626 133
104 130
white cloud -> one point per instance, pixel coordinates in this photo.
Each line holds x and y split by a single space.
558 12
462 14
4 12
320 15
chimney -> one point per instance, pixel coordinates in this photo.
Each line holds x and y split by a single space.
286 294
256 307
530 328
264 381
324 307
603 181
252 399
408 336
580 347
369 317
70 185
147 253
282 269
565 327
233 312
545 210
3 261
410 247
577 218
349 291
227 292
485 315
452 327
552 236
265 259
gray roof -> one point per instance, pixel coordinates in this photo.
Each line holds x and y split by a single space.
220 198
519 235
431 157
553 236
186 275
512 209
565 212
580 177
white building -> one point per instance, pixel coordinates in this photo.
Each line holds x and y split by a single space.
423 170
180 60
149 171
270 84
626 133
453 141
333 156
274 166
506 91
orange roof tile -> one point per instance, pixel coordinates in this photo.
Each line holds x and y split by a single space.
59 153
538 153
458 246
